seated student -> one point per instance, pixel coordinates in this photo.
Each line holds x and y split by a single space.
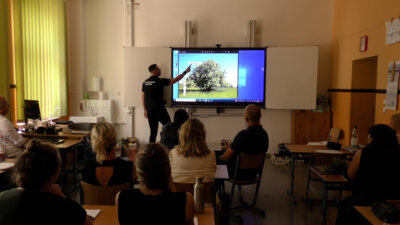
253 140
154 202
192 158
38 200
170 131
395 125
13 141
374 171
106 169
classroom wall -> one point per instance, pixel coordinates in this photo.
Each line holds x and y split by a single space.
97 34
351 20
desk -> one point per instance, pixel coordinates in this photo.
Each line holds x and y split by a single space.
60 135
109 216
296 150
367 213
327 180
9 160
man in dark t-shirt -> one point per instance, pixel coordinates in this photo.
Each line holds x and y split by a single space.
153 98
253 140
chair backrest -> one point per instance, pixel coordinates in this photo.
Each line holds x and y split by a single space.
208 189
323 159
100 195
334 135
249 167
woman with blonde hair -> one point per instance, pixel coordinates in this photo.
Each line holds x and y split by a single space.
107 169
192 158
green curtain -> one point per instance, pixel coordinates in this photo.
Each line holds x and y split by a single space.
40 52
4 63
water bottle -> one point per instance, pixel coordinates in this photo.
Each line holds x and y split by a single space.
354 138
199 195
2 150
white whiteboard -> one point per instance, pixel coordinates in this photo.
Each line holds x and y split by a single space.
292 77
136 62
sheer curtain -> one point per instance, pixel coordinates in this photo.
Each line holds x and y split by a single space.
41 55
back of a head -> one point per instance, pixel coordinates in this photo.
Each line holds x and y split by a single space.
253 113
152 67
103 139
180 117
395 121
35 165
384 138
192 139
153 167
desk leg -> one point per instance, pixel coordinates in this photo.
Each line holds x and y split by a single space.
290 192
323 203
75 165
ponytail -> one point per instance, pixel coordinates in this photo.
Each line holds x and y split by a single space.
103 140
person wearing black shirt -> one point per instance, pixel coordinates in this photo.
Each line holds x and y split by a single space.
253 140
152 98
38 199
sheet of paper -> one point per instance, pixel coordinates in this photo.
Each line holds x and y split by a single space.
392 86
195 220
389 33
329 151
221 172
6 165
93 212
317 143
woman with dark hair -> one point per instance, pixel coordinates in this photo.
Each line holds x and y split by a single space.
170 132
107 169
374 171
38 199
154 202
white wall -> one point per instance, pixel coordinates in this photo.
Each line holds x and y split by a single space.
96 34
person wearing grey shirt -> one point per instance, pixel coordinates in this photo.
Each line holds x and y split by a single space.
12 141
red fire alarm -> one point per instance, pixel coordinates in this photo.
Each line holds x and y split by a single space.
363 43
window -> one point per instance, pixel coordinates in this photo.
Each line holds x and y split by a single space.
38 30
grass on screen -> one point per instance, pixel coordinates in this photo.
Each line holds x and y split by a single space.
218 93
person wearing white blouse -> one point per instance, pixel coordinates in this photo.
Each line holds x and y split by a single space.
192 158
12 141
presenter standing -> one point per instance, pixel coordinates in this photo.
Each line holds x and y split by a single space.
152 98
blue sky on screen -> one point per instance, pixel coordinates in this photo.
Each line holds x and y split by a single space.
227 62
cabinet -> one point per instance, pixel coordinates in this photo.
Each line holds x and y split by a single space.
310 126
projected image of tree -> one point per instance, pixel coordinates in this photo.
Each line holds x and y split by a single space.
207 80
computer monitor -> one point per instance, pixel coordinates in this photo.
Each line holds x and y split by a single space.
32 110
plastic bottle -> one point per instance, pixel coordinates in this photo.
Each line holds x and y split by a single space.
2 150
354 138
199 195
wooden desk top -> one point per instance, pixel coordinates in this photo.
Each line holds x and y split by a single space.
328 178
310 149
60 135
68 143
108 215
367 213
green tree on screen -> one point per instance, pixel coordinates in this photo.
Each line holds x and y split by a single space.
207 76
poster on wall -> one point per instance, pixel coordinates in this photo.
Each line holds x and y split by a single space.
392 86
393 31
